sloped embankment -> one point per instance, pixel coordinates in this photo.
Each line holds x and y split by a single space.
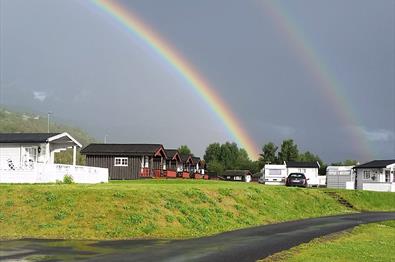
157 208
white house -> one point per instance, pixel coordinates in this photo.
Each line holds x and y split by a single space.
29 158
377 175
277 174
342 177
309 169
274 174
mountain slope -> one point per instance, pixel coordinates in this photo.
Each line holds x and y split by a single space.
12 122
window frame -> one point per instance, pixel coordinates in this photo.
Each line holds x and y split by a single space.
365 173
123 161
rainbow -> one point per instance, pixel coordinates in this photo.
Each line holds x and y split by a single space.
330 88
138 28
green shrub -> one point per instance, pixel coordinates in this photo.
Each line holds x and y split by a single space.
134 219
60 215
68 179
151 227
170 218
119 194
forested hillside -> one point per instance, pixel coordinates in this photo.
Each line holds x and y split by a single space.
11 122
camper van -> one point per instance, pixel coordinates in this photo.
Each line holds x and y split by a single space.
274 174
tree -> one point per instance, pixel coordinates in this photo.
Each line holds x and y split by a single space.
348 162
220 157
269 154
310 157
289 151
184 150
216 167
213 152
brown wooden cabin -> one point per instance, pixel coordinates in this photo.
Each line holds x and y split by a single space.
197 167
187 165
127 161
173 163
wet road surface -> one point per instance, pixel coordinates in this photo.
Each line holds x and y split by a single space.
240 245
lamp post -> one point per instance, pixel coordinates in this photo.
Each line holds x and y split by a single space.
49 114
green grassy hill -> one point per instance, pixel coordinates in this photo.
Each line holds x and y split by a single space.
371 242
11 122
161 208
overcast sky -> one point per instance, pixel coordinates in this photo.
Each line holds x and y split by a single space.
67 57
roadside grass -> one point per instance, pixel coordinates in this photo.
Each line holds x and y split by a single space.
370 242
368 200
171 209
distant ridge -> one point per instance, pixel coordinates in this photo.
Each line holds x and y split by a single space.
20 122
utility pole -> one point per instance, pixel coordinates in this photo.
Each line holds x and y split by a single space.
105 139
49 114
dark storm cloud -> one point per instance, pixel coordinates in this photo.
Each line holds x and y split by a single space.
65 57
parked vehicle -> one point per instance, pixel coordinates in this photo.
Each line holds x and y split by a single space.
296 179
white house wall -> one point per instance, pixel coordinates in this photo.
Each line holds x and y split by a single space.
9 152
310 173
377 172
16 153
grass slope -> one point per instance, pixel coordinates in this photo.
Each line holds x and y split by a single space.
154 208
371 242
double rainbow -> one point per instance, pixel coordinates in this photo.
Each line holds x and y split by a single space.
139 29
328 85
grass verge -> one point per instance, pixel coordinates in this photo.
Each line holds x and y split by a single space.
169 209
371 242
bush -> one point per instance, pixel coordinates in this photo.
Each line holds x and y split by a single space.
67 179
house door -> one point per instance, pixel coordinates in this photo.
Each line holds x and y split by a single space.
30 157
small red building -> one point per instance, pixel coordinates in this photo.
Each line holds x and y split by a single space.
173 163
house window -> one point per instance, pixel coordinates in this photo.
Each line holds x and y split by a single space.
366 174
387 176
121 161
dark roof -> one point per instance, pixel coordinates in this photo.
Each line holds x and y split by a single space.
195 159
170 153
303 164
184 157
376 164
237 173
25 137
121 149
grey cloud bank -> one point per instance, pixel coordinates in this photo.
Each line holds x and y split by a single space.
101 78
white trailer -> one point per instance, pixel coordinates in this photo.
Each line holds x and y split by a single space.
274 174
340 177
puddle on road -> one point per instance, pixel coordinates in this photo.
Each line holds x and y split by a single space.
60 250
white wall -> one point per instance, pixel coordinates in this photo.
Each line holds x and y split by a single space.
310 173
381 187
12 152
17 153
52 173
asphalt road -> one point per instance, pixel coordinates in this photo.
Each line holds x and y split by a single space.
240 245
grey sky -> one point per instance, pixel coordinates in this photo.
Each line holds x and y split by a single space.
69 58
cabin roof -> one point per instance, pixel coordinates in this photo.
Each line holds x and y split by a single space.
55 138
376 164
303 164
172 153
195 159
185 158
26 137
123 149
